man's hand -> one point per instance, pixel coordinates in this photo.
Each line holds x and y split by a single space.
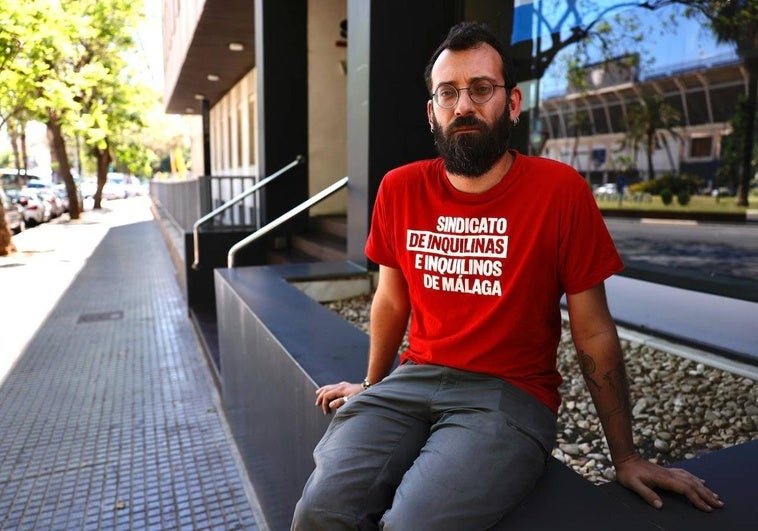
641 476
334 396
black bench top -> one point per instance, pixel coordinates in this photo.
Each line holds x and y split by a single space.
564 500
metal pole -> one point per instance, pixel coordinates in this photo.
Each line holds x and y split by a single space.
206 107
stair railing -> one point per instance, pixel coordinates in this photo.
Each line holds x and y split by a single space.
233 201
302 207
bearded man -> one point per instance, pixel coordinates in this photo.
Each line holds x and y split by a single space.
461 430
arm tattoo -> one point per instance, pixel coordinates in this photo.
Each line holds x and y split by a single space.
615 379
588 369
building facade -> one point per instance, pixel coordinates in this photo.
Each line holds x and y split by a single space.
589 128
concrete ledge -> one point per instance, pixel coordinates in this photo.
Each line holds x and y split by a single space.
277 345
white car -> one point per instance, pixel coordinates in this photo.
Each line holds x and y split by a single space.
115 188
606 189
14 214
36 209
49 196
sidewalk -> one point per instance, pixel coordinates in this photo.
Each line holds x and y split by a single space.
108 415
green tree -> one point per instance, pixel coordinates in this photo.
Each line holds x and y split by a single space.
645 121
113 102
12 27
736 22
731 150
64 63
560 26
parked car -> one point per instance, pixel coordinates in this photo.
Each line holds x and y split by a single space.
62 193
115 186
14 214
36 184
49 196
606 189
35 209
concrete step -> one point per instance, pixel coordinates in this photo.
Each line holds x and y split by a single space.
322 247
324 241
334 225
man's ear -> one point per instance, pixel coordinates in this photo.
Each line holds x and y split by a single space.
430 114
514 103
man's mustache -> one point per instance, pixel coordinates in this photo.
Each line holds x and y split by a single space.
465 121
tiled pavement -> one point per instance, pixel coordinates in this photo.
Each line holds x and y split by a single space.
109 418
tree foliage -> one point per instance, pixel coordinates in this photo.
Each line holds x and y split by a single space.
732 21
64 64
646 122
735 22
579 25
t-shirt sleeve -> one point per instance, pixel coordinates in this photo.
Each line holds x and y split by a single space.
588 255
380 245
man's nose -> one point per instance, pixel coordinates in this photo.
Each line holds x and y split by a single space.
465 104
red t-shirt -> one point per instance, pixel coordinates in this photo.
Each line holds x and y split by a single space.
486 272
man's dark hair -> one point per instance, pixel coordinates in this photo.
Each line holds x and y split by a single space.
467 35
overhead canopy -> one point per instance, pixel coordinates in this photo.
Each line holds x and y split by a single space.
221 22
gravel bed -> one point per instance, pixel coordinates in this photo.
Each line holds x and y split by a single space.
682 409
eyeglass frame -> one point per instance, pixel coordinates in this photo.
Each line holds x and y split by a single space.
468 89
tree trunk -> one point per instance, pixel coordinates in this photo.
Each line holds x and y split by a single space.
64 169
743 189
24 154
6 242
674 167
13 134
103 158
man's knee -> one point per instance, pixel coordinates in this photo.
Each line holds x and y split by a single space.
327 504
316 510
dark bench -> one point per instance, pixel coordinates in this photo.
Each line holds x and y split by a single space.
277 345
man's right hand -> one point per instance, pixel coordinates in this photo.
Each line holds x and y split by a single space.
333 396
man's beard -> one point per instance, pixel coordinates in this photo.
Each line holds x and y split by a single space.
472 154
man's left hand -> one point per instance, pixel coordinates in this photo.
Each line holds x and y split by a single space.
642 476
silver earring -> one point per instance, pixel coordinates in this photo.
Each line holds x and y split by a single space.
515 121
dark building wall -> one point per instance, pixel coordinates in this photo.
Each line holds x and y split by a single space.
390 44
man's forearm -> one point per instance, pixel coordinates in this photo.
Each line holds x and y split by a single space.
605 375
387 329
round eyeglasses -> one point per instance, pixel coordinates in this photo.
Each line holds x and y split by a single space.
480 92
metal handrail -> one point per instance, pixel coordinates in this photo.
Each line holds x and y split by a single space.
323 194
233 201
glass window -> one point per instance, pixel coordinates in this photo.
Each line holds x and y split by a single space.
700 147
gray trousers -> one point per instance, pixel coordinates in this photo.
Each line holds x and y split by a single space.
428 448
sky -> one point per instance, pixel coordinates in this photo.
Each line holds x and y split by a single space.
669 45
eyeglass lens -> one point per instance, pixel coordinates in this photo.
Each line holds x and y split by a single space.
480 92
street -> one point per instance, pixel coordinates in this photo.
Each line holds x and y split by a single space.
719 258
